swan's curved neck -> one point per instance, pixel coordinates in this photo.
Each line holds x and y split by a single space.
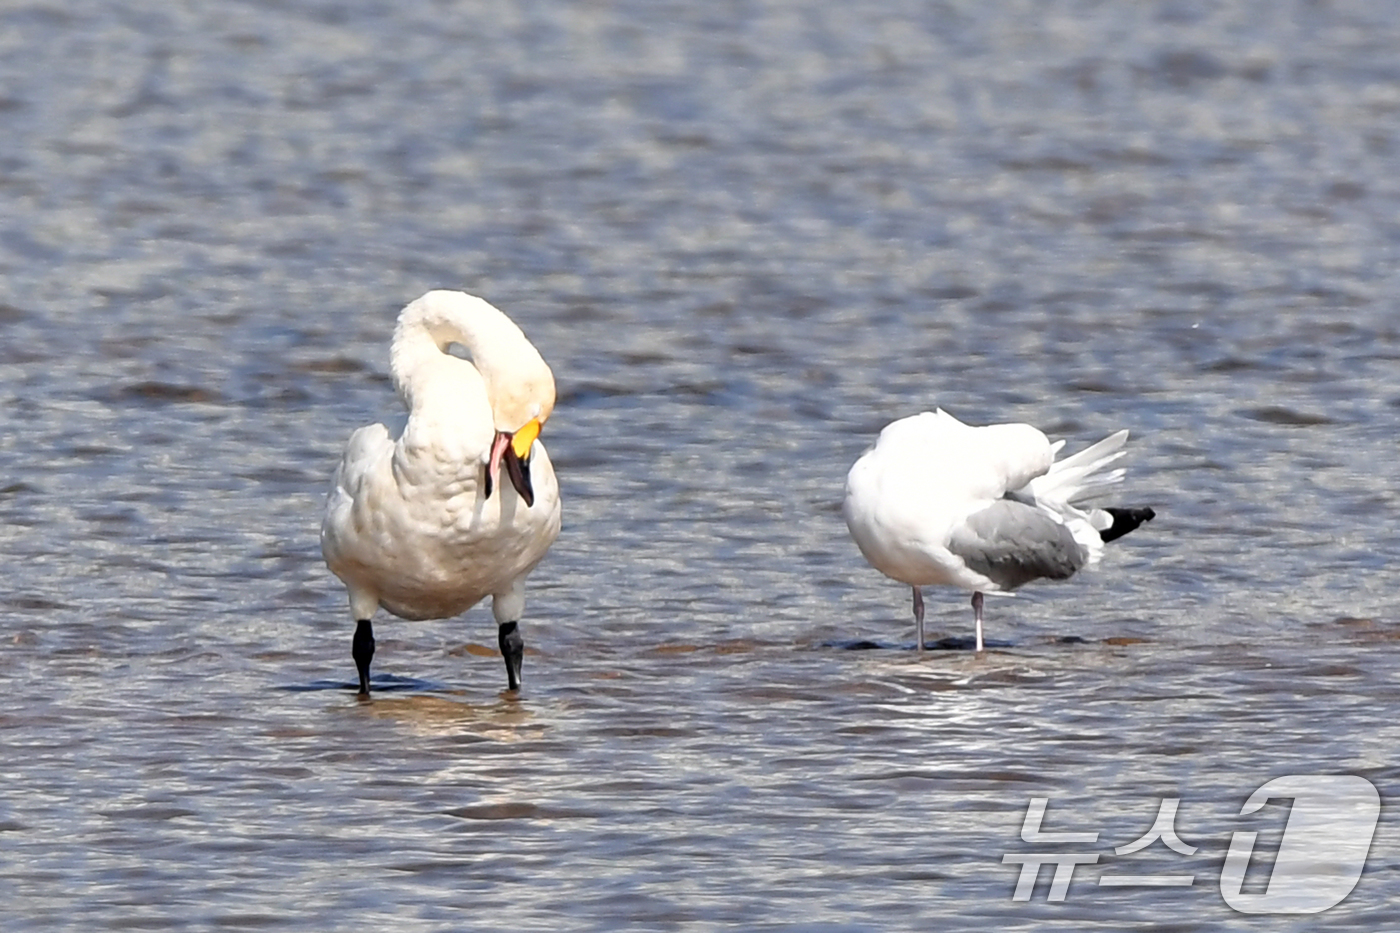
519 385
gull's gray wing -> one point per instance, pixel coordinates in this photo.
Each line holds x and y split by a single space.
1012 543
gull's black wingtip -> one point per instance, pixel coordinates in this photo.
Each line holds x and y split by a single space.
1124 521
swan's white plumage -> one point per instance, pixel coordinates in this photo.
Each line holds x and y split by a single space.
407 524
937 501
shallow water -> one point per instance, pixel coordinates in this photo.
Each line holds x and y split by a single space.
745 235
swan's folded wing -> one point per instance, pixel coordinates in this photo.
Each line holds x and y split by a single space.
365 458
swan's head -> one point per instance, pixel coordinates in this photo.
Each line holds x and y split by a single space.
522 403
520 411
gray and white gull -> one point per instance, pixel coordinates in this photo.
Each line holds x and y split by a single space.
936 501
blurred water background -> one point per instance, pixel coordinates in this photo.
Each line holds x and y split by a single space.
745 235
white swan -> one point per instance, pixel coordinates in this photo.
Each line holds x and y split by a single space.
936 501
418 520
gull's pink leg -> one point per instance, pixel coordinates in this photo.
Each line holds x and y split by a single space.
977 613
919 615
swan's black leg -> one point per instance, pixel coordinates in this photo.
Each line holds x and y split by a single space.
513 650
362 650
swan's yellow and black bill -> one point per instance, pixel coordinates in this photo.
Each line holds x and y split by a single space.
512 451
524 439
518 469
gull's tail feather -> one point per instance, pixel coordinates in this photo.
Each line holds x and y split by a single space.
1124 521
1081 476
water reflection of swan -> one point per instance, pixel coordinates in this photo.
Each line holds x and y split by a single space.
501 720
936 501
418 520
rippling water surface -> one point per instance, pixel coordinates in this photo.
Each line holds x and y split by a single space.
745 235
